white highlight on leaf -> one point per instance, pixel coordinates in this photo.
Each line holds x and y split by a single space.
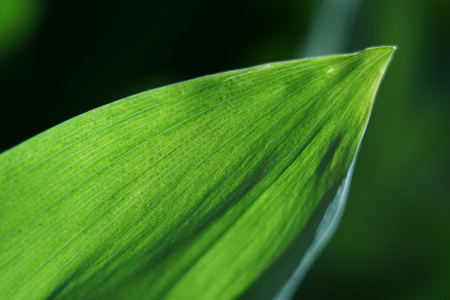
324 232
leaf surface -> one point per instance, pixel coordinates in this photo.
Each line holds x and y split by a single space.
193 190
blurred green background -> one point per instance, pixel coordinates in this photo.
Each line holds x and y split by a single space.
59 59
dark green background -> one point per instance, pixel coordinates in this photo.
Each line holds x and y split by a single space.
59 59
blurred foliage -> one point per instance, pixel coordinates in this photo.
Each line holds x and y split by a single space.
18 21
394 241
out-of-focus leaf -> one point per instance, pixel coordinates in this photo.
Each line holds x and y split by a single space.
18 21
194 190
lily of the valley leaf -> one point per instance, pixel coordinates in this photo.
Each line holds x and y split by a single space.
191 191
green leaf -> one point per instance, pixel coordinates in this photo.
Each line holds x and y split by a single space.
195 190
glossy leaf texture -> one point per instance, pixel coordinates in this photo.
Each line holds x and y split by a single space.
190 191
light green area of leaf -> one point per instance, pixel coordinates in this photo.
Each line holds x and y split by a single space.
193 190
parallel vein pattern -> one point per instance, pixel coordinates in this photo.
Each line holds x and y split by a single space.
193 190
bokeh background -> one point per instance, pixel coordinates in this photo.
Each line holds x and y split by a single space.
59 59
